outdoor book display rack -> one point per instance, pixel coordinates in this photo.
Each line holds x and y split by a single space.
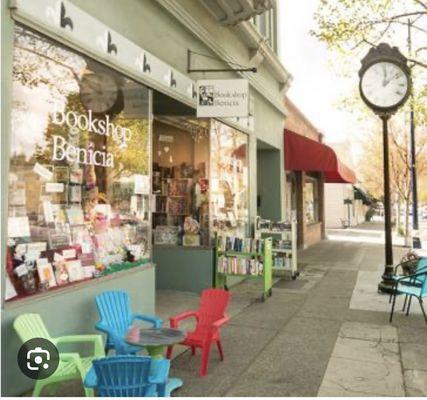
284 243
244 257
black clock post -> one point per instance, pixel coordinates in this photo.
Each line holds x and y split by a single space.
385 55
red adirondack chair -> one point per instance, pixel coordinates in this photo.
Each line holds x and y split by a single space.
210 318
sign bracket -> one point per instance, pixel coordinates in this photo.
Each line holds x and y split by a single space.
241 68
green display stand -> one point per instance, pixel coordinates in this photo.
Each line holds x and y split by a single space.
265 255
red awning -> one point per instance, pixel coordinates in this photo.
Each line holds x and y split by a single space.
304 154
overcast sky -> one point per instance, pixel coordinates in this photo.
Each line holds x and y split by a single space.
315 88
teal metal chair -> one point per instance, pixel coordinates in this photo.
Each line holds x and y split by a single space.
408 286
404 279
128 376
116 318
71 365
421 265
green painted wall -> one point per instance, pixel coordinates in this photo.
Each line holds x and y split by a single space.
68 312
186 269
268 173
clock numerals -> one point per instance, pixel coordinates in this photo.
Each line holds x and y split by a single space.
384 84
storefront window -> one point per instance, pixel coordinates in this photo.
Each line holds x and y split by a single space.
311 199
79 184
180 181
229 177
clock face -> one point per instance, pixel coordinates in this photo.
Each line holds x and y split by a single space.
98 92
384 84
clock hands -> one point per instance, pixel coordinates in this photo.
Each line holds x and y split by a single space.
384 75
396 75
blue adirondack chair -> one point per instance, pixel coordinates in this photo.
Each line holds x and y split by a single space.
116 317
411 290
128 376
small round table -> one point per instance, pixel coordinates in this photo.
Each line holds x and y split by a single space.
155 340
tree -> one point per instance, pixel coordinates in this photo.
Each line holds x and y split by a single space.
399 154
348 25
349 28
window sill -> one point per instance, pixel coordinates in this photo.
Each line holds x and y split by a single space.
71 287
177 246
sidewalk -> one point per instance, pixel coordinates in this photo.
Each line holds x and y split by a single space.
324 334
316 335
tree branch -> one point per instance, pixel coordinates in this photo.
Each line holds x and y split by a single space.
409 14
421 3
417 62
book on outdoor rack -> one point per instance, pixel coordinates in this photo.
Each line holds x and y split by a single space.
240 266
282 244
243 245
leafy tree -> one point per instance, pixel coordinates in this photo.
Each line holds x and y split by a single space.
371 165
349 28
348 25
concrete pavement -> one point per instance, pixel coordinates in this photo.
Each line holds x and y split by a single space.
308 339
325 334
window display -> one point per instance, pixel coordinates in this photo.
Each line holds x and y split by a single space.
180 181
229 177
79 184
311 199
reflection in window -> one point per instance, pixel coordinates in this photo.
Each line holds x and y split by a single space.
229 180
79 167
311 201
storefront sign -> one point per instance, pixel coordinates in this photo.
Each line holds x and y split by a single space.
89 34
223 98
94 125
66 22
63 150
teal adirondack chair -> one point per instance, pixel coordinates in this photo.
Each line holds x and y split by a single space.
71 365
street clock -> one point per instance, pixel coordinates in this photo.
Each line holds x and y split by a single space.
385 80
385 85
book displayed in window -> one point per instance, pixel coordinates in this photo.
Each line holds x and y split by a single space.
180 181
166 235
79 197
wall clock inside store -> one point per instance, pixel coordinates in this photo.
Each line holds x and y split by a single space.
100 93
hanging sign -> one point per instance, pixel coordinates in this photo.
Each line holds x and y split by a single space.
222 98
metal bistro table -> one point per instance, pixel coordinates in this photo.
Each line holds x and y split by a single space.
155 340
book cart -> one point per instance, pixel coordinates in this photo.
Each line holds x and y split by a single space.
284 242
247 258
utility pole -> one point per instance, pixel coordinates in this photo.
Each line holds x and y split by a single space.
415 240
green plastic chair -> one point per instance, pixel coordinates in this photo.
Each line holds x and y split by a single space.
71 365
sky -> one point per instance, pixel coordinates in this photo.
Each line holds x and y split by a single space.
315 89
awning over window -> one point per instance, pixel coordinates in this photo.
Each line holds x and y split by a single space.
304 154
